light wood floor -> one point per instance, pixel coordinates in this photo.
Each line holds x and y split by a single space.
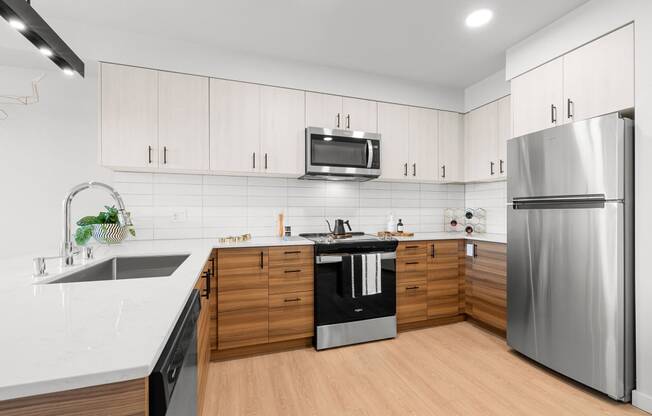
457 369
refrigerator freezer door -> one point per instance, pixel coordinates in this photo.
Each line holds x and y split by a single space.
586 157
567 291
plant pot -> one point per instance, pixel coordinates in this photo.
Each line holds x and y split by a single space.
109 233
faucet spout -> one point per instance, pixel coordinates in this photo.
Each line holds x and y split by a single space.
67 247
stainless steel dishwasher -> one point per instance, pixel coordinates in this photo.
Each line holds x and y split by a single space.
173 382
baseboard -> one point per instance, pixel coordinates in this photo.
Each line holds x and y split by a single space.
642 400
430 323
496 331
249 351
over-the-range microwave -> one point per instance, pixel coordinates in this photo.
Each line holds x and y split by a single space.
334 154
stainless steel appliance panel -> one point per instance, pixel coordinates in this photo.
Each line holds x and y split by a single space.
582 158
567 291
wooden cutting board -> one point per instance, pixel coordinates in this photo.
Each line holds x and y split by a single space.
395 234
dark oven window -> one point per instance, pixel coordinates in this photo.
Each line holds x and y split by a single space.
338 151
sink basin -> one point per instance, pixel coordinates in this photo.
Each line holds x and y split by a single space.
119 268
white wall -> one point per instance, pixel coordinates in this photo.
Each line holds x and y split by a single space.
588 22
483 92
46 149
103 44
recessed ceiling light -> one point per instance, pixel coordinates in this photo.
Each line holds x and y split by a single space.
479 18
68 72
17 24
45 51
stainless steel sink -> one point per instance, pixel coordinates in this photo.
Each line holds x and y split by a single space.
119 268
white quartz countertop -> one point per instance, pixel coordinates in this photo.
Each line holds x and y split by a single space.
493 238
59 337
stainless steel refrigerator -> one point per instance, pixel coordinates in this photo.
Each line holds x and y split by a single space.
570 251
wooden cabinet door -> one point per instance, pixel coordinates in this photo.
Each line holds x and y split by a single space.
481 143
291 316
451 147
234 126
360 115
486 284
183 121
282 131
411 302
242 298
504 134
599 77
324 110
423 144
443 278
129 116
393 125
537 98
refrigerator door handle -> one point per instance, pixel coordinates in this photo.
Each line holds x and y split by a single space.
560 202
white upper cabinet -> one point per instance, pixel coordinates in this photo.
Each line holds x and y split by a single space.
235 126
393 125
129 116
451 147
422 144
336 112
360 115
183 122
538 99
282 131
324 110
599 77
504 133
481 143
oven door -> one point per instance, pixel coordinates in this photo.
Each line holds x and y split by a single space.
333 305
342 152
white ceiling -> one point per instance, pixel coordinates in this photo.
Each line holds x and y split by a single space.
420 40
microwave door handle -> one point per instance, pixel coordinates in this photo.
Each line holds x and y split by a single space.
370 153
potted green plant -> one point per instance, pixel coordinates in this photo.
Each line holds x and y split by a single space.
104 227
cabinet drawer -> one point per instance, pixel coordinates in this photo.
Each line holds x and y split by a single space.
291 316
290 255
410 270
411 249
234 300
291 278
411 303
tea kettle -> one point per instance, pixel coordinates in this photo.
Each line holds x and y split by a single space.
339 227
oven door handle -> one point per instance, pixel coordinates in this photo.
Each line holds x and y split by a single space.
338 258
370 154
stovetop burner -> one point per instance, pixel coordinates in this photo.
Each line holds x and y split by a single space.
351 241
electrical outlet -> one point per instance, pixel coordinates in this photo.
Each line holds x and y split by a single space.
180 216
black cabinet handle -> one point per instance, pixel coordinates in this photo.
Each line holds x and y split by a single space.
412 262
207 276
262 264
338 120
443 171
414 169
501 166
553 113
253 158
405 170
475 250
491 167
292 300
165 155
293 252
292 271
348 121
265 160
411 287
149 154
411 247
570 108
432 253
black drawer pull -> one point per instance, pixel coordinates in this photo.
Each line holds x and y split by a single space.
411 287
292 300
292 271
412 262
411 247
293 252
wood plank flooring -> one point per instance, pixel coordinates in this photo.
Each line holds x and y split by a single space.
456 369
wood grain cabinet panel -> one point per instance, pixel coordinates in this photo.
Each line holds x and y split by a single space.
411 303
204 332
443 278
486 284
241 328
129 398
291 316
242 268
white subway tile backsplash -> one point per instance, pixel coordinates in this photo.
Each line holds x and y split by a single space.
191 206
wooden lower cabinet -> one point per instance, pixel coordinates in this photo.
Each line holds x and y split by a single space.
128 398
291 316
265 295
486 284
411 304
207 292
443 278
